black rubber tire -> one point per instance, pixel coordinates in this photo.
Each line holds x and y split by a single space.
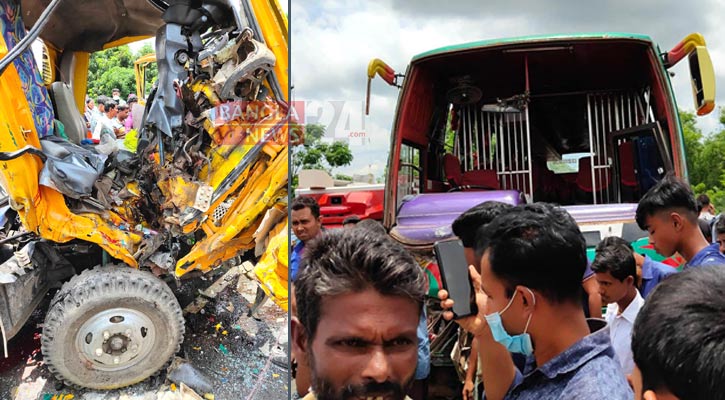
92 292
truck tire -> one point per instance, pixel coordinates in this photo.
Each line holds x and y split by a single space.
111 327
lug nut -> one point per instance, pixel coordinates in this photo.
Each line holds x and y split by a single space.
99 352
106 335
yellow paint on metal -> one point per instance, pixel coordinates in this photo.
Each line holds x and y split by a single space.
273 23
272 270
266 185
707 80
80 79
126 40
41 209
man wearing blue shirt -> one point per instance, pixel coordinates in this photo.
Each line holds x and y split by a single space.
668 212
306 225
651 273
529 300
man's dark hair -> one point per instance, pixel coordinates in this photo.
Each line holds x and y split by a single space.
538 246
678 339
720 225
301 202
110 105
372 226
615 255
668 194
122 107
703 199
102 100
468 223
351 261
352 219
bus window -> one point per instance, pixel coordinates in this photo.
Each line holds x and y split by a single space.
410 171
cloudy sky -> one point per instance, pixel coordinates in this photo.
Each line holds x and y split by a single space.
333 41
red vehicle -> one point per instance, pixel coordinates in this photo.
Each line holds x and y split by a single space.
341 199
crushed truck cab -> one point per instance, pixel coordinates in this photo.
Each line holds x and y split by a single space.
190 194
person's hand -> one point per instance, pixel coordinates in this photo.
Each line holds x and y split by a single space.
468 390
475 324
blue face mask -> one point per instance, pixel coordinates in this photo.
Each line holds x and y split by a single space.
515 344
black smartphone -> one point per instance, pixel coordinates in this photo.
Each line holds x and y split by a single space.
455 277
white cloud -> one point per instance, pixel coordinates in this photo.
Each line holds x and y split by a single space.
333 41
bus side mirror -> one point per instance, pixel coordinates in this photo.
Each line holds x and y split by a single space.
702 77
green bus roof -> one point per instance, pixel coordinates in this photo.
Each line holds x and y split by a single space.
533 39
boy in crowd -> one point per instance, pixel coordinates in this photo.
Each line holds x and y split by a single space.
529 296
678 340
616 273
669 213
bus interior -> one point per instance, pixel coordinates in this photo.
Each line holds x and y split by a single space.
577 122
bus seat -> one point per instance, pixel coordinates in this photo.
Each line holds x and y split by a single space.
67 112
487 178
626 164
452 168
584 177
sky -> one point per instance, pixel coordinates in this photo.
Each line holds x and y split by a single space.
332 42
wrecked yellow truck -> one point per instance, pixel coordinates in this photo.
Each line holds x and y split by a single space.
113 224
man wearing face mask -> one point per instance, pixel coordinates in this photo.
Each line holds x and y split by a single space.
528 294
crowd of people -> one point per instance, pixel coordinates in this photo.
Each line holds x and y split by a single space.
358 306
112 121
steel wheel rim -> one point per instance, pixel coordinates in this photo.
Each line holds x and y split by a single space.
116 339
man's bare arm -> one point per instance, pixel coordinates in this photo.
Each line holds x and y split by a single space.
591 287
497 367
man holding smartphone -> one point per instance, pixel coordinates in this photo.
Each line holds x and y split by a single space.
529 301
465 227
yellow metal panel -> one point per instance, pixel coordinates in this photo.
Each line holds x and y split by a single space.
126 40
707 79
273 24
80 79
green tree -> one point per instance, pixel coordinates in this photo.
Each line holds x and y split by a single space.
315 154
113 68
705 162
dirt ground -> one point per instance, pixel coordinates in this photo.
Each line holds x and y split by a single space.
242 356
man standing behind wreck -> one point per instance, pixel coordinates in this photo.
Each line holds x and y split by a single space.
358 305
306 225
